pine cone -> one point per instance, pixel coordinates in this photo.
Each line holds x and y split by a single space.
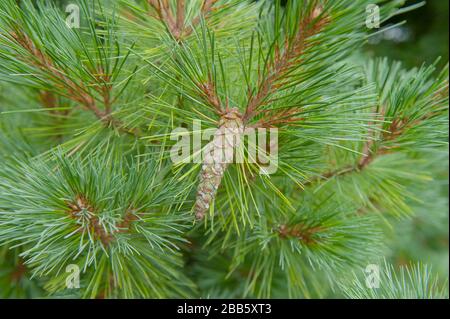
218 155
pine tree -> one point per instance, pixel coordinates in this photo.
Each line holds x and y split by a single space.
353 151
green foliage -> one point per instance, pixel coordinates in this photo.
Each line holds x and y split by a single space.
412 282
13 279
322 238
86 179
104 214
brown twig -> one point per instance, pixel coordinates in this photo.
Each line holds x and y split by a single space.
396 129
209 94
300 231
76 92
19 271
105 89
274 118
51 102
175 22
81 205
285 60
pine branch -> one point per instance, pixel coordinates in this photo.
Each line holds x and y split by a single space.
77 92
369 153
104 215
121 210
398 125
415 281
299 244
279 69
300 231
209 94
81 209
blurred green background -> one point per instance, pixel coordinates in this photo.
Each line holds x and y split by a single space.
423 38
